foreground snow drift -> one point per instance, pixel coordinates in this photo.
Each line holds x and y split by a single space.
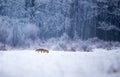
27 63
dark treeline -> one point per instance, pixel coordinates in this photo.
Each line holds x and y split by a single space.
79 19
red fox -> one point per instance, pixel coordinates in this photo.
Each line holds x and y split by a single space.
42 50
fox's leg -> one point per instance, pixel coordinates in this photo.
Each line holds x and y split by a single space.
41 51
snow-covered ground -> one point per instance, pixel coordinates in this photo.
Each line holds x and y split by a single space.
28 63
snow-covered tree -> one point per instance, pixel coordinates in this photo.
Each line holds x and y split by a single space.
32 20
108 19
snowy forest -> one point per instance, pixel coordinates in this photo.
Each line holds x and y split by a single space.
35 23
59 38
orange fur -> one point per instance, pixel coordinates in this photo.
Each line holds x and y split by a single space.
42 50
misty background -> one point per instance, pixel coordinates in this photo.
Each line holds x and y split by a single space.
59 24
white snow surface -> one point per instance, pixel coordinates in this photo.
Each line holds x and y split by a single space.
28 63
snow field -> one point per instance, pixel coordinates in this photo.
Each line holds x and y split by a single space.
28 63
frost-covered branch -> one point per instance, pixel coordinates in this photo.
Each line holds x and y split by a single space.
107 26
